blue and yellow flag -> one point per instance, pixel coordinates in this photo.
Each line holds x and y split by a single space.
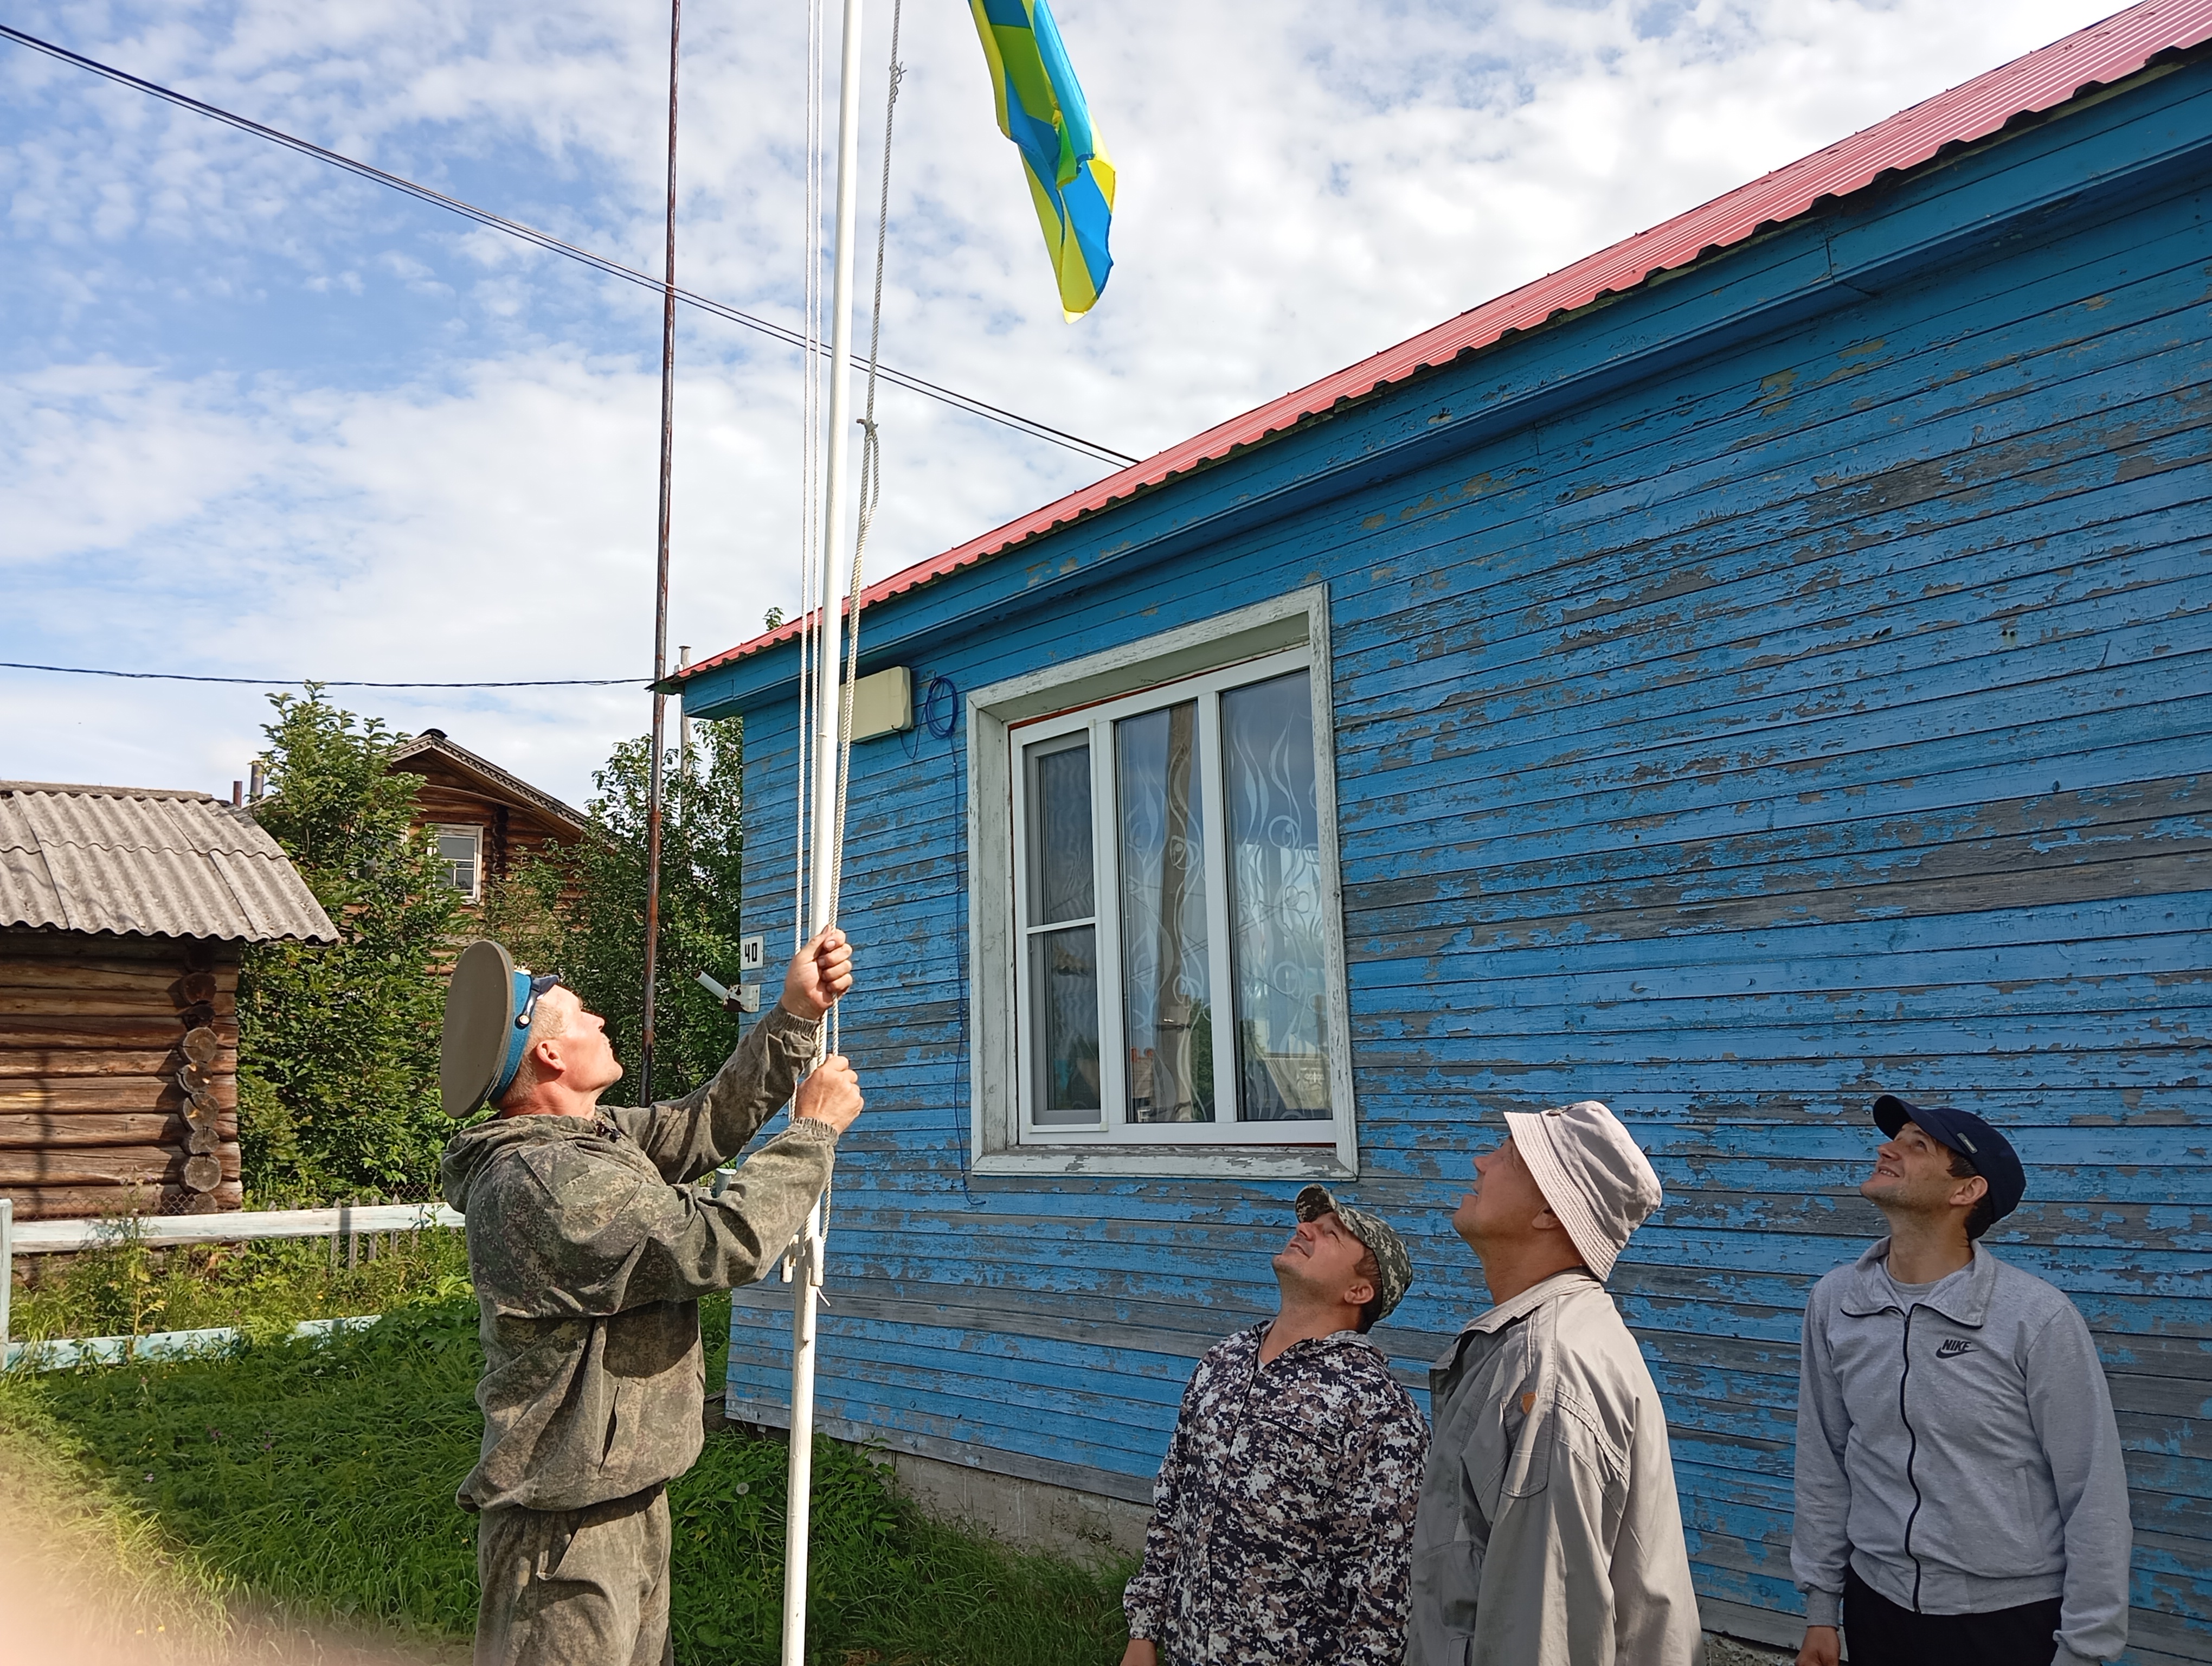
1040 108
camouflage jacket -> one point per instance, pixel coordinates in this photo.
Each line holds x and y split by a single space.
590 1253
1283 1517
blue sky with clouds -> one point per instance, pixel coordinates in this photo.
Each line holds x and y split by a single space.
259 417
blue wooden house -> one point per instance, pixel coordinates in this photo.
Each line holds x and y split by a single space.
1764 665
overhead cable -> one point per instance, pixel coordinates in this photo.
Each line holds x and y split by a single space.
330 682
546 241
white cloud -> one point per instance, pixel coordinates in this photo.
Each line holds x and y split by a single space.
273 418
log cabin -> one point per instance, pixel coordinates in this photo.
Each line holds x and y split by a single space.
124 913
484 819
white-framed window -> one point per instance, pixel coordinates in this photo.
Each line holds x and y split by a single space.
460 858
1159 962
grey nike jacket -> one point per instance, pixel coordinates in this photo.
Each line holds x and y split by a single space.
1962 1456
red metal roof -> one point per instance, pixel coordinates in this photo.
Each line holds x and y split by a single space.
2104 53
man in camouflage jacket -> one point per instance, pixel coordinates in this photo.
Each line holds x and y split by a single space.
1283 1517
590 1250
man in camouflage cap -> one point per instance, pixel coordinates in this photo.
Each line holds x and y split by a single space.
1283 1517
589 1248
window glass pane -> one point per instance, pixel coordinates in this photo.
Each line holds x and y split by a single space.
1060 834
456 851
1167 1009
1064 988
1276 932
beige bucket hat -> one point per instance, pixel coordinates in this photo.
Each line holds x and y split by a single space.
1595 1177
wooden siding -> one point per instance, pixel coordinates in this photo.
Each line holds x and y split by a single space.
1830 717
513 831
92 1112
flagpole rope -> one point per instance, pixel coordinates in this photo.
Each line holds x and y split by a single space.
810 446
872 479
821 809
830 1039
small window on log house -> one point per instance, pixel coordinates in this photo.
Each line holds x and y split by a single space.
460 851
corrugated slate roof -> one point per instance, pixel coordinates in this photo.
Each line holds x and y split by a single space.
142 862
2105 52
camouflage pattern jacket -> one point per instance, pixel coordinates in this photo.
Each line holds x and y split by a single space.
590 1253
1283 1517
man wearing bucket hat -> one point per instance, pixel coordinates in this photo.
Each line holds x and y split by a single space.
1549 1534
1961 1498
589 1249
1282 1515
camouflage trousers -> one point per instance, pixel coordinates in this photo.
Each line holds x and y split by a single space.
575 1587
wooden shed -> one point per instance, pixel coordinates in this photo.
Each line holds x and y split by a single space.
124 915
1763 666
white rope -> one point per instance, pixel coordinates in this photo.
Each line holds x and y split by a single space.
804 1262
830 1039
871 495
810 454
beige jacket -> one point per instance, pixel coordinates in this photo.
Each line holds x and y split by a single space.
1548 1533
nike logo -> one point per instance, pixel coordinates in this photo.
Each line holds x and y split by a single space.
1951 1347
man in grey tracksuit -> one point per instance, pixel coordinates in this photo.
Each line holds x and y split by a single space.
1960 1497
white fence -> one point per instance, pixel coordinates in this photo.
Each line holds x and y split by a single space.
46 1237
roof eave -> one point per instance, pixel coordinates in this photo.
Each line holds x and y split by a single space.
2055 65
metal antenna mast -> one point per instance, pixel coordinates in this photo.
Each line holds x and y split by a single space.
653 781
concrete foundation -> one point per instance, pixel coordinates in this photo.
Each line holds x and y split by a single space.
1029 1515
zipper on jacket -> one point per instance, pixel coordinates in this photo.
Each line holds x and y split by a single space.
1911 1450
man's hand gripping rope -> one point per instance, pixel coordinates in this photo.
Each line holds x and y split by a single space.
820 974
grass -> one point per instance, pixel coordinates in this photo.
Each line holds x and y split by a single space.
317 1478
125 1288
64 1530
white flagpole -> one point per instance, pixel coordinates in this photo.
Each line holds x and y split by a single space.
827 818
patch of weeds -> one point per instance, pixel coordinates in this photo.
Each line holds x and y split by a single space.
123 1288
67 1528
316 1476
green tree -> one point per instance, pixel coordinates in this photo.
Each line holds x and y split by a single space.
337 1078
582 913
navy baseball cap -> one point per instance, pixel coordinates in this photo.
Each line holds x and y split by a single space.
1989 1151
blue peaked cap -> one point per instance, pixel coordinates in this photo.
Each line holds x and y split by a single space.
517 1039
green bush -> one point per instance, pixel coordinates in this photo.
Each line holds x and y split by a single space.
581 912
338 1043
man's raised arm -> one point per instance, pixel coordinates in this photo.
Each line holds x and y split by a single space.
686 1137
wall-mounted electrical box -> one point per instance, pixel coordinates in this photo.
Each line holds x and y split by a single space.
883 703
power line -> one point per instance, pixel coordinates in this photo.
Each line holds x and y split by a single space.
546 241
329 682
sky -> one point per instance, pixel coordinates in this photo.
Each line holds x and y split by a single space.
260 418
